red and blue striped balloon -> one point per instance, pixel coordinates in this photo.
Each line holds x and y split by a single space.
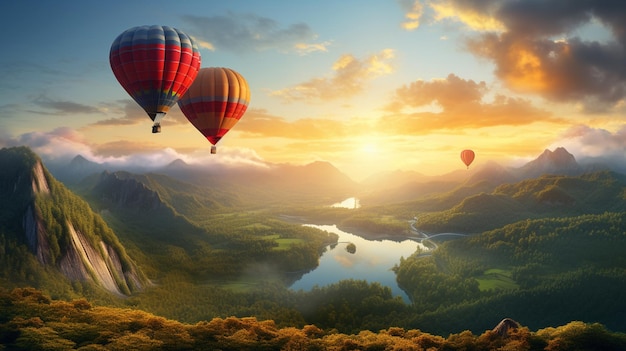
156 65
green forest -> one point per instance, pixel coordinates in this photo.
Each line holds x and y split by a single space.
546 252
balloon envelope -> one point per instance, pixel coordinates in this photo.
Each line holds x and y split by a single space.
155 65
216 101
467 156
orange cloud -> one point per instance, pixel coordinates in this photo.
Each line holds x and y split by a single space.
462 107
519 38
258 123
350 76
414 11
477 18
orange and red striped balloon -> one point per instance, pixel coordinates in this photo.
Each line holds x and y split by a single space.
215 102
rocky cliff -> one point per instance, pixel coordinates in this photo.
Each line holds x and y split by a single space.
61 230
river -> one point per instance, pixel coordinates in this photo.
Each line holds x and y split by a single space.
372 261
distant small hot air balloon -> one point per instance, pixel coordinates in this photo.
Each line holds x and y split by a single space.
467 156
215 102
155 65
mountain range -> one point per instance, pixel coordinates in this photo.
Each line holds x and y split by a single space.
324 180
408 186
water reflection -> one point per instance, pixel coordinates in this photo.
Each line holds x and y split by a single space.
351 202
372 261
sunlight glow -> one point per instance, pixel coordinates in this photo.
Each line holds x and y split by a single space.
369 149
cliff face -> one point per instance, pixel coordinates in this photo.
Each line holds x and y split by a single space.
81 260
85 262
51 218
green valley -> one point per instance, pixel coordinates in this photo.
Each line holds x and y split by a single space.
546 252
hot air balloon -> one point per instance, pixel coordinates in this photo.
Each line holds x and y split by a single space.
215 102
467 156
155 65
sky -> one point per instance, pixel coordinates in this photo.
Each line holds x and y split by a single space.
367 85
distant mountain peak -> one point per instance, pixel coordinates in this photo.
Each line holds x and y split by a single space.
559 161
558 157
79 160
322 166
177 163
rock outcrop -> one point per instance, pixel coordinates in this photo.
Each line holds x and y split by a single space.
60 229
505 326
82 260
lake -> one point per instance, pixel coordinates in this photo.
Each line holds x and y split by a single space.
372 261
351 202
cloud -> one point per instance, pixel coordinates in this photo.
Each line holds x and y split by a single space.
306 48
460 105
7 110
16 73
563 71
350 76
203 44
258 123
61 145
128 154
243 33
475 14
413 13
535 47
131 114
418 108
52 107
587 142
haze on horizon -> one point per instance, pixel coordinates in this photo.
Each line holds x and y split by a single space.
373 86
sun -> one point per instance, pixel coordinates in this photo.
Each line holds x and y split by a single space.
369 148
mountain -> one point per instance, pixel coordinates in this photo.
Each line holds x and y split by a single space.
542 197
437 191
492 173
59 228
155 194
314 178
559 161
398 186
77 169
318 182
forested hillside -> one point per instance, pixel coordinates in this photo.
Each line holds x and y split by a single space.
544 272
543 197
